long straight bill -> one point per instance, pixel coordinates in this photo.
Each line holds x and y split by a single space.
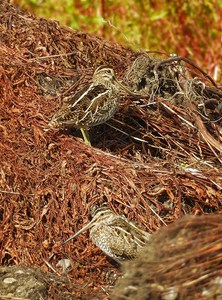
78 232
126 89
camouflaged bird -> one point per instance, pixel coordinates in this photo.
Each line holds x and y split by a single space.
114 235
94 104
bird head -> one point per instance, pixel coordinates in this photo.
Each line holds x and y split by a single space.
104 73
100 215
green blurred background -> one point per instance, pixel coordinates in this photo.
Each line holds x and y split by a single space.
187 28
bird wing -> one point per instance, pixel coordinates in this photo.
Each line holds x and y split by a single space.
81 106
87 94
113 243
127 234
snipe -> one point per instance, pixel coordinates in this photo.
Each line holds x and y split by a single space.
94 104
114 234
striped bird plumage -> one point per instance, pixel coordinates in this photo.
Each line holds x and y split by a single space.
94 104
114 235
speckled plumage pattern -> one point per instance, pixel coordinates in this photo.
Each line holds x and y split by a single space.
94 104
115 235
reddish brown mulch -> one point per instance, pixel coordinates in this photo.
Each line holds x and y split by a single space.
146 163
182 261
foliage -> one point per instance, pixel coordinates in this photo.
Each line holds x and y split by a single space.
188 28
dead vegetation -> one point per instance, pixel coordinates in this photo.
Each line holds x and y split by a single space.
160 158
182 261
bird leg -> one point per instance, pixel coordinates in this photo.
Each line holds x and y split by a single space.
85 135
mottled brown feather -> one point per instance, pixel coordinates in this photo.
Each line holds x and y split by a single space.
114 234
94 104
